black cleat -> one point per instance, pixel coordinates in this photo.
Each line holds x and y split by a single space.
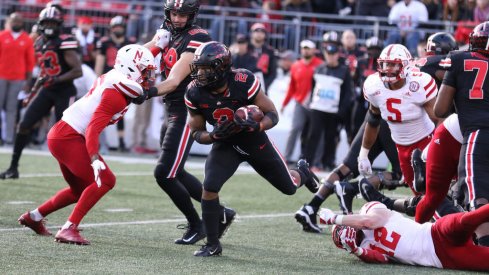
11 173
345 193
369 193
209 250
410 205
311 181
226 221
306 216
191 235
419 167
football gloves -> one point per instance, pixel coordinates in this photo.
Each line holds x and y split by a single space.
348 241
162 38
248 124
364 167
327 216
98 166
224 130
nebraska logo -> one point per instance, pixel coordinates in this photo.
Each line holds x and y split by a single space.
414 86
138 56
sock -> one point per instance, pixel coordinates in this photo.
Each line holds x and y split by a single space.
89 197
211 213
66 225
21 140
36 215
316 201
483 241
63 198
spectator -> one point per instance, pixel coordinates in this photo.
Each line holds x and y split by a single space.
241 26
294 6
434 8
407 15
457 10
330 102
242 58
16 64
107 48
265 54
270 6
481 11
372 7
87 38
300 88
280 84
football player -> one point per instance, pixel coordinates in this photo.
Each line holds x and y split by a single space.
465 86
74 141
60 64
379 235
214 95
405 100
176 55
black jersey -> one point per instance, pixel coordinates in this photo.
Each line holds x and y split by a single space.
50 56
108 48
431 64
468 75
243 87
186 41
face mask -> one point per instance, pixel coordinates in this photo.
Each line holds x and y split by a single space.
16 28
118 34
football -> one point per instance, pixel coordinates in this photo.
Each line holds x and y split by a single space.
250 110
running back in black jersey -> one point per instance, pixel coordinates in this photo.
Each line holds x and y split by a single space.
468 75
186 41
50 56
243 87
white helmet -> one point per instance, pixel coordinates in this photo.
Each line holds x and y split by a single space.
394 63
137 63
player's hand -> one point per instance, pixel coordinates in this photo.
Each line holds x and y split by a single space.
327 216
151 92
224 130
348 240
141 98
162 38
364 167
47 81
248 124
97 166
28 99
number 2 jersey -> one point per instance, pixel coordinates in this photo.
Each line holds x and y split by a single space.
50 58
401 239
403 108
468 75
103 105
186 41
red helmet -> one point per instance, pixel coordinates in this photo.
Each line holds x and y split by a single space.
478 38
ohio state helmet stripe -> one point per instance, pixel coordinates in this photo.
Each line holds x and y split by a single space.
469 166
254 89
181 151
188 103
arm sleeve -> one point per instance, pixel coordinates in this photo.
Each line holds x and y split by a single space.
372 256
112 102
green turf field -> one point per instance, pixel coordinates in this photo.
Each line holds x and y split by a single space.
265 239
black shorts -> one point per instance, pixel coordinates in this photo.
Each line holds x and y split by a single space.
384 143
224 159
473 166
41 105
175 140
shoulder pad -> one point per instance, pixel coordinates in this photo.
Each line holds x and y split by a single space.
128 88
371 205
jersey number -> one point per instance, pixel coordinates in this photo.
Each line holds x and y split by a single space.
222 115
481 66
170 59
49 63
391 108
388 241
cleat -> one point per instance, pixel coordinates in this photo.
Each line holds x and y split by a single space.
209 250
191 235
345 193
306 216
419 167
369 193
226 221
37 227
410 205
311 181
11 173
71 235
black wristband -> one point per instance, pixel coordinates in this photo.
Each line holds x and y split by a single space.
152 92
273 117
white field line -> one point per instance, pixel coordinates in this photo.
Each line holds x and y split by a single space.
104 224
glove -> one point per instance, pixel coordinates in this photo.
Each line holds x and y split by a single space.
151 92
249 124
348 240
97 166
364 167
224 130
162 38
140 99
327 216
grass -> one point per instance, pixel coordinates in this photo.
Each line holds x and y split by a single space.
253 245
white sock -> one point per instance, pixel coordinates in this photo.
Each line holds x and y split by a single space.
424 155
66 225
35 215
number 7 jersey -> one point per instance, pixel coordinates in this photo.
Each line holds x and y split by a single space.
403 108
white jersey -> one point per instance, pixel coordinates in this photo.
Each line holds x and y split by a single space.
403 108
79 114
401 239
453 127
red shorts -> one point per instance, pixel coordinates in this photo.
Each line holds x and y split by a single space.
405 152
